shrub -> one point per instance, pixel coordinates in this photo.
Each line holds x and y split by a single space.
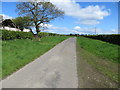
114 38
43 34
10 35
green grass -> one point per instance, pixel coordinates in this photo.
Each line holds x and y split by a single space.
17 53
0 58
101 55
100 48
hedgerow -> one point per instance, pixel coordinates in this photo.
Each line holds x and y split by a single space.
10 35
113 38
43 34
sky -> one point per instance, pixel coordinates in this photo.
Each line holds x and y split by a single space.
79 18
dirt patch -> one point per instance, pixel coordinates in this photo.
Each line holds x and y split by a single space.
89 76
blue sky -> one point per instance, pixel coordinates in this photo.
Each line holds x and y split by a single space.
80 17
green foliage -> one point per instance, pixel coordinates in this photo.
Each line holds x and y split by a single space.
103 66
54 34
23 22
101 55
19 52
43 34
10 35
113 38
100 48
39 12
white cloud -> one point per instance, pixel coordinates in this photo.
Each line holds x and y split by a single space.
49 26
56 29
77 27
46 25
88 22
87 30
71 8
114 30
6 16
77 32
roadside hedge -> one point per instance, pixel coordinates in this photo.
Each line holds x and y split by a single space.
43 34
10 35
114 38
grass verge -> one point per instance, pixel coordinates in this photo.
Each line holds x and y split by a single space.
17 53
103 49
0 54
95 70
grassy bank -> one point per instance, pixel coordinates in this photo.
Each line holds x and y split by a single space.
17 53
97 63
0 58
100 48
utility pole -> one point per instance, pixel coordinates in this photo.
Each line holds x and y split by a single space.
95 31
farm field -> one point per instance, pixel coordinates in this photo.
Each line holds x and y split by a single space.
97 61
19 52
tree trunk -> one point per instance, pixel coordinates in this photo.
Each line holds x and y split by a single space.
37 29
21 29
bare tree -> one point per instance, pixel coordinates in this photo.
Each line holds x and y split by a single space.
39 12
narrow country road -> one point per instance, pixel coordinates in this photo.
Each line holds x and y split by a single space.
55 69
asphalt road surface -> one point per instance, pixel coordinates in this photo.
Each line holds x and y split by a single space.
55 69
